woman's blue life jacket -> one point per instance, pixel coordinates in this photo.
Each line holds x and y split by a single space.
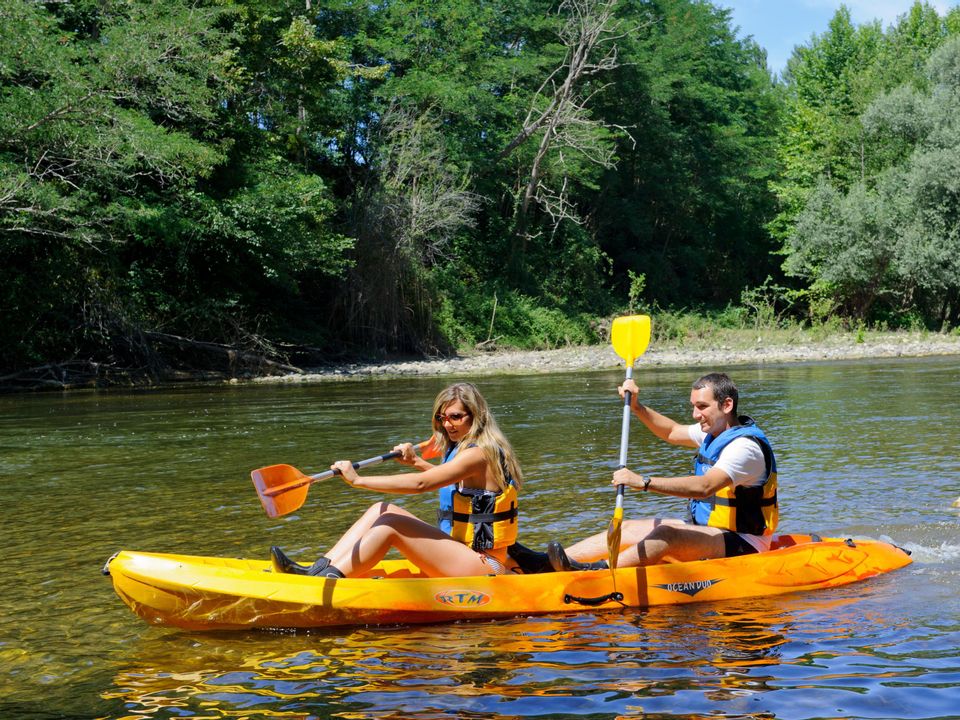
751 510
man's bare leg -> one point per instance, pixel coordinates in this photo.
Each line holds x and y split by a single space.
631 533
679 543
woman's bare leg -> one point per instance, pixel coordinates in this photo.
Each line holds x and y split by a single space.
426 546
362 525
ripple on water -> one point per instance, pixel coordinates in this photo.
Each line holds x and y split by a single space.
170 472
791 658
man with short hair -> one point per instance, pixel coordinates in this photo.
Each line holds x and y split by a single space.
732 493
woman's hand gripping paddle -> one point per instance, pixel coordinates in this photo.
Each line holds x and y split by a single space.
283 488
630 336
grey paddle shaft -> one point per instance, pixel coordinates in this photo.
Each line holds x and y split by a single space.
624 434
356 465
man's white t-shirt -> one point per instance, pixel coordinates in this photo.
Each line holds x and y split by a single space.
743 462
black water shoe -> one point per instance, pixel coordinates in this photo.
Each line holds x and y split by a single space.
561 563
530 561
283 564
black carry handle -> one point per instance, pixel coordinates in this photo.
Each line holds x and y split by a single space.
594 601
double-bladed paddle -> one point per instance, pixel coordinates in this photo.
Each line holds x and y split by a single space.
630 336
283 488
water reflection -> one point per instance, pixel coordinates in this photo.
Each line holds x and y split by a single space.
792 656
616 663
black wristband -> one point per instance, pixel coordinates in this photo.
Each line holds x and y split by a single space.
646 482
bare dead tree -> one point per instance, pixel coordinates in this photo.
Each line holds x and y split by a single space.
559 111
406 221
425 203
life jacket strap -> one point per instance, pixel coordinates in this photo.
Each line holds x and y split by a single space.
732 502
510 515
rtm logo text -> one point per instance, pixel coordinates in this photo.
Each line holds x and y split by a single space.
462 598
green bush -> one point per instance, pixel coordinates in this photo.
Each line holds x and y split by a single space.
479 315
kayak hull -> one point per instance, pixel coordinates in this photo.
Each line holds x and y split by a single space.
206 593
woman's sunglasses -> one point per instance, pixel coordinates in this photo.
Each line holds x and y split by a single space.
456 417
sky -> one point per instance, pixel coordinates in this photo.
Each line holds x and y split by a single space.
780 25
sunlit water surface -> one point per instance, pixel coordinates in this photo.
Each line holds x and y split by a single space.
865 449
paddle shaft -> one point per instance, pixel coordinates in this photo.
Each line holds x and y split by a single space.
309 479
624 435
614 530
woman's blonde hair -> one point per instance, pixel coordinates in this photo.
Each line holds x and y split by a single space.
484 432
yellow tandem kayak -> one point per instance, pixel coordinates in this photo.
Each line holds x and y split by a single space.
207 593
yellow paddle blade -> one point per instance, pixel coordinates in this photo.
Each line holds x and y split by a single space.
613 539
277 499
630 336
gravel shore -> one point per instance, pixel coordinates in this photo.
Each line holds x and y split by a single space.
600 357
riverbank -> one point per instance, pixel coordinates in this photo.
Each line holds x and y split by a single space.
709 349
730 349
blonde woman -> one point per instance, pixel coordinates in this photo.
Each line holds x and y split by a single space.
478 482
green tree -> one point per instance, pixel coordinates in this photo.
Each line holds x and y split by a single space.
888 248
138 191
821 135
688 200
830 82
464 75
98 108
420 143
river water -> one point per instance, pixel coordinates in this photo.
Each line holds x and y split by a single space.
864 450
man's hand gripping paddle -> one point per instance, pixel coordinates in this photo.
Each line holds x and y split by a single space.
630 336
283 488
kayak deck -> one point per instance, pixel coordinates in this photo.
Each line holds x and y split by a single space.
223 593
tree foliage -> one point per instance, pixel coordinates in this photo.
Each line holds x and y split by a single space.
688 200
890 245
311 179
127 202
867 207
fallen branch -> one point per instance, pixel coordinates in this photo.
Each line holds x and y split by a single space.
162 358
232 354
